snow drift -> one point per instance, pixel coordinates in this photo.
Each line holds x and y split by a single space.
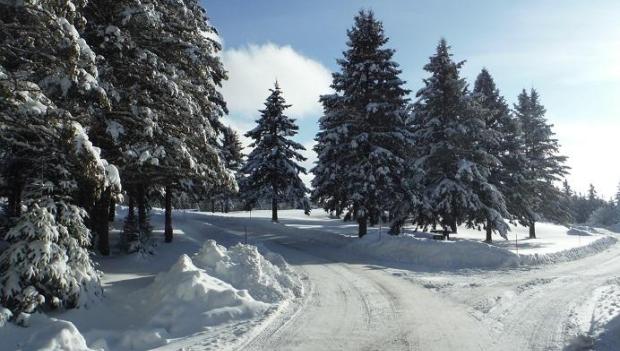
460 254
237 288
43 334
269 279
434 253
185 299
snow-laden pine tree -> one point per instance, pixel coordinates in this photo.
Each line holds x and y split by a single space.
364 139
163 72
329 190
41 44
272 169
47 263
505 143
451 137
232 154
48 90
545 166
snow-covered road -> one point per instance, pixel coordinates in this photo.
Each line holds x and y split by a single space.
356 304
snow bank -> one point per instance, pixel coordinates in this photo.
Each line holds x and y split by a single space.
434 253
268 279
237 289
601 244
43 334
582 230
463 253
185 299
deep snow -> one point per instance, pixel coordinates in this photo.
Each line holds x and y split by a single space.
206 292
171 299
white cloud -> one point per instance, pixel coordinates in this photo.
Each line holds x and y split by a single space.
253 69
591 148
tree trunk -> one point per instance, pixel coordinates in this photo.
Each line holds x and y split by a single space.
489 229
212 206
168 216
131 207
532 230
100 222
274 208
14 208
141 202
112 209
130 228
362 225
453 226
338 212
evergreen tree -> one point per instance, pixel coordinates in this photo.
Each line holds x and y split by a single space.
566 188
329 190
592 193
618 196
545 165
272 169
48 90
364 139
451 140
232 155
163 71
504 142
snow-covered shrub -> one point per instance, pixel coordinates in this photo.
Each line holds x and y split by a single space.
605 216
47 262
5 315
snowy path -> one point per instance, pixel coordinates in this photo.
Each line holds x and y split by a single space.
353 304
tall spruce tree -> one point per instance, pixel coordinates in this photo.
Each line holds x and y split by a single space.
364 139
504 142
163 71
451 140
48 91
545 165
232 155
272 168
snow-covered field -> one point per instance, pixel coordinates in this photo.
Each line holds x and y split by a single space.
192 292
206 292
555 243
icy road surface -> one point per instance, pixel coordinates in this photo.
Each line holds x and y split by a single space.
355 304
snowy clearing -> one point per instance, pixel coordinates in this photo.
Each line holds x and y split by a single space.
189 293
555 243
204 292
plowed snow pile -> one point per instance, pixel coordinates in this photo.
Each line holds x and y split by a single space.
42 334
269 278
224 292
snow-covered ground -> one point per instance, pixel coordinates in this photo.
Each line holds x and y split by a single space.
199 294
192 292
555 243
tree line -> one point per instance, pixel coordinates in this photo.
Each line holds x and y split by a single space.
104 101
453 156
100 102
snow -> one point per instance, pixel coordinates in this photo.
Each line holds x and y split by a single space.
207 291
555 243
270 278
43 334
598 318
193 291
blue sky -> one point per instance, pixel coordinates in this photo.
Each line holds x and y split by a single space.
568 50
